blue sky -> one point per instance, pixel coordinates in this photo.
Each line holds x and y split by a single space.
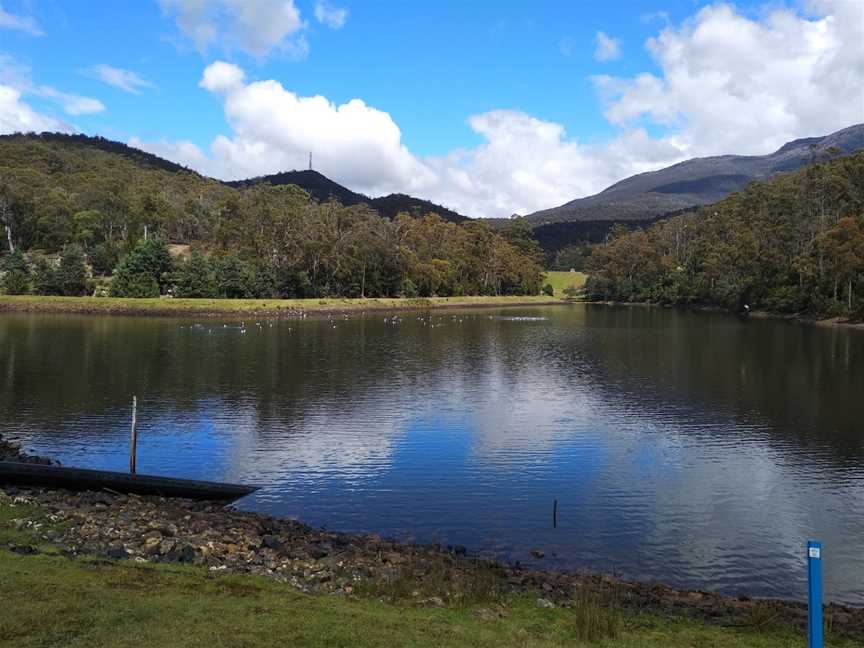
429 68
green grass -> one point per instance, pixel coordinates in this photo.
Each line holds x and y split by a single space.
166 306
561 280
49 600
52 601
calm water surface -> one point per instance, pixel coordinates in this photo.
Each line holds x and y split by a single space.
688 448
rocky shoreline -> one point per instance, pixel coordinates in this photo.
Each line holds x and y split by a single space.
10 451
224 540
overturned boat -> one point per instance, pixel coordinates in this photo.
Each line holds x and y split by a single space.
29 474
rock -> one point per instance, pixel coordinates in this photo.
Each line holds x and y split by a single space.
271 541
317 553
117 552
546 604
151 545
538 553
24 550
432 602
181 554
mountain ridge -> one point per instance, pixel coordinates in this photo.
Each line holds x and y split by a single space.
316 184
695 182
322 188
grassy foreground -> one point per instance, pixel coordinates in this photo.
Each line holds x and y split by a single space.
560 280
50 600
268 307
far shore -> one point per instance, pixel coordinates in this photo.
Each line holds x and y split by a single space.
276 308
795 318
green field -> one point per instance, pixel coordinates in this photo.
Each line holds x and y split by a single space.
561 280
51 600
266 307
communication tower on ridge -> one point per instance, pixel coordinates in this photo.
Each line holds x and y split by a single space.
310 160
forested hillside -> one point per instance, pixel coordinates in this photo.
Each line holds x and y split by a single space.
322 188
89 202
794 244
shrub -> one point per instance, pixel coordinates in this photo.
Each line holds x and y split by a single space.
264 281
16 280
46 279
571 292
134 285
72 273
233 277
408 288
194 278
548 290
146 266
103 258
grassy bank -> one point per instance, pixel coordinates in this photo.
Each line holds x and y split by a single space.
51 600
560 280
249 307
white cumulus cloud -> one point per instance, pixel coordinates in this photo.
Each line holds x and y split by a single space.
327 14
730 83
26 24
222 77
125 80
16 116
727 84
608 48
254 26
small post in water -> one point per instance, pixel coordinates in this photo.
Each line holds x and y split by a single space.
814 595
133 445
555 514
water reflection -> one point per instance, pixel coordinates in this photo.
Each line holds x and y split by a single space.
689 448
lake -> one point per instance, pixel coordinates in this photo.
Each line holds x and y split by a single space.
689 448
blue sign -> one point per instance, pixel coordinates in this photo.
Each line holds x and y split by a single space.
814 595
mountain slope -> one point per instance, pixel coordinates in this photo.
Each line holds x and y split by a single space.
319 186
695 182
322 189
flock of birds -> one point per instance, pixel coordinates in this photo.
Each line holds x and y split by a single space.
427 320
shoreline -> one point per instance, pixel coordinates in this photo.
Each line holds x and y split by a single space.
275 308
151 529
828 322
222 540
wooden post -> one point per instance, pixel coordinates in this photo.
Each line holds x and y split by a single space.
133 445
555 514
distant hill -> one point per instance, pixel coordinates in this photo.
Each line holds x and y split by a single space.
317 185
695 182
323 189
83 142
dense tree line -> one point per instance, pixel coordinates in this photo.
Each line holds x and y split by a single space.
794 244
69 205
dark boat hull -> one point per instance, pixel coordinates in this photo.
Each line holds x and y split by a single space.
24 474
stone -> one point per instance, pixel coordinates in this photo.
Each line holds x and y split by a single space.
545 604
271 541
538 553
117 552
432 602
